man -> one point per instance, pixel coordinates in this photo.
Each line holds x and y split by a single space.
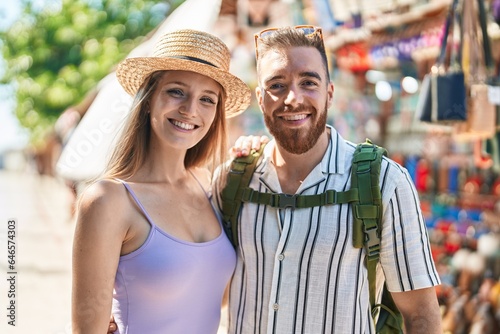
297 270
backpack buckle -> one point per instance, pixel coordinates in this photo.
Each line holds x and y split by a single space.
372 242
283 201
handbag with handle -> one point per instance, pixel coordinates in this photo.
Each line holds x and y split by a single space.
443 95
481 113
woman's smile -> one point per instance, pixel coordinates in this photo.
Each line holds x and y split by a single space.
183 126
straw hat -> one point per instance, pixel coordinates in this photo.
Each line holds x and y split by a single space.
188 50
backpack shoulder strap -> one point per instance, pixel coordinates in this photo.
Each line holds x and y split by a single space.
367 216
238 179
367 212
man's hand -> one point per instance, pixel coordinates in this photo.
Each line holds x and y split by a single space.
112 325
245 144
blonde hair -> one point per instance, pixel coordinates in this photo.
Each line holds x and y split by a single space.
132 149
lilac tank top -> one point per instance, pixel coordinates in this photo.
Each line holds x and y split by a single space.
170 285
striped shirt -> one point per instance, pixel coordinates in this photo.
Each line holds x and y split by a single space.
297 270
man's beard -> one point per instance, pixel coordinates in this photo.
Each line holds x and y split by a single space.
297 141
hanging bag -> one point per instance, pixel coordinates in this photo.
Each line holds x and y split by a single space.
481 113
443 95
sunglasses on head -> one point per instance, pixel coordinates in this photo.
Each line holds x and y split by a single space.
307 30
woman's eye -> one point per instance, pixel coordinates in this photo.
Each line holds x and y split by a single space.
208 100
176 92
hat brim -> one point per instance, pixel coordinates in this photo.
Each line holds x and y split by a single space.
132 72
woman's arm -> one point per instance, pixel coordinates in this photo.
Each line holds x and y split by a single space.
100 231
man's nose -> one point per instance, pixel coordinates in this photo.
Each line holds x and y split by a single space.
294 96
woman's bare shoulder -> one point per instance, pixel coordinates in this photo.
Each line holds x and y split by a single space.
104 191
103 200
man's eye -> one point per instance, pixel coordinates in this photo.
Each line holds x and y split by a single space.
275 86
310 83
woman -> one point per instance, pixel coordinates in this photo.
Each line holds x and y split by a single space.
149 246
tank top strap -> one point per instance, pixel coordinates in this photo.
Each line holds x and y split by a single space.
209 197
134 196
201 185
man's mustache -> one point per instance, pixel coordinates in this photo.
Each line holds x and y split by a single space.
291 110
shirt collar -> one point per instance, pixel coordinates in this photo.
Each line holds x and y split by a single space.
333 161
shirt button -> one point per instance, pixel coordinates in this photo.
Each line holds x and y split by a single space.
281 257
276 306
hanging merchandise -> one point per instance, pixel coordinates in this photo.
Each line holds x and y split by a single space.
494 93
495 188
354 57
443 95
324 15
453 180
494 34
492 147
428 44
258 13
423 174
495 10
297 13
390 54
481 114
481 159
442 176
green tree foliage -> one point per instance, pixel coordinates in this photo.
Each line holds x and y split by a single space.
56 54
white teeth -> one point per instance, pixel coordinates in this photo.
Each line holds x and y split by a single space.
183 125
294 117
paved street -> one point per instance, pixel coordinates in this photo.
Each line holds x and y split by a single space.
44 232
40 207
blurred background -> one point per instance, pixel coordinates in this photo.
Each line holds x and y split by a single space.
61 109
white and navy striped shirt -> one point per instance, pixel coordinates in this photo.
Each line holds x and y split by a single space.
297 270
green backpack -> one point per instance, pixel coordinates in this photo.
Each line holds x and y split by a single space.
366 202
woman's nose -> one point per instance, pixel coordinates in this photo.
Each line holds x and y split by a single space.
187 108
